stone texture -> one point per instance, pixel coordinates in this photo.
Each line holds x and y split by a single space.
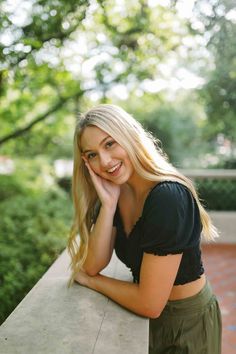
225 221
55 319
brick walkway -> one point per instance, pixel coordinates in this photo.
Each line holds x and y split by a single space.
220 267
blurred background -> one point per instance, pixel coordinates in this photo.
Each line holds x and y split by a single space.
171 64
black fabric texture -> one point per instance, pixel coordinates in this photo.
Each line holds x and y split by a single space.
170 224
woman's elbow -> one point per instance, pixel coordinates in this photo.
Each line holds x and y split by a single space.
152 311
90 271
154 315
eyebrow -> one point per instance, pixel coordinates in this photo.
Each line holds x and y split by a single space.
101 142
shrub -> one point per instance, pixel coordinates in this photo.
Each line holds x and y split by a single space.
217 194
34 226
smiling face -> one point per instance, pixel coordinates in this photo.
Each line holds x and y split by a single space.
105 156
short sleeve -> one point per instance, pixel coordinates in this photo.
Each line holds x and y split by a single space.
171 220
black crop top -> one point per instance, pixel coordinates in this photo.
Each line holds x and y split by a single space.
170 224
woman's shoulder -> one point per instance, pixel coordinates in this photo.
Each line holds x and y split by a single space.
171 220
168 194
169 188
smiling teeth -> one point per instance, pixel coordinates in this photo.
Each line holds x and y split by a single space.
113 168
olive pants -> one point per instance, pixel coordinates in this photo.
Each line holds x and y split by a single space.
188 326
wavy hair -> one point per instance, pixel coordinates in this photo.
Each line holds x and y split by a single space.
148 160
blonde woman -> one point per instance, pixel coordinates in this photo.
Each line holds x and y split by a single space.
128 197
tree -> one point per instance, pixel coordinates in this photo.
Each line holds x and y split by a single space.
122 43
219 92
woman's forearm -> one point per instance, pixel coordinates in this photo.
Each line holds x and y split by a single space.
124 293
101 242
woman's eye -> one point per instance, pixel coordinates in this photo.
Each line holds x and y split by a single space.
91 155
110 143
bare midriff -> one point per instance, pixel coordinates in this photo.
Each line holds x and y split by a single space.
179 292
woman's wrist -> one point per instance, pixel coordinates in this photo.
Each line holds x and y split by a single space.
109 209
92 281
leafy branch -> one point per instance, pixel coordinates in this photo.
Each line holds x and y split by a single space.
21 131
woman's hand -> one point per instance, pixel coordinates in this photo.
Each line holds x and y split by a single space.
108 192
83 278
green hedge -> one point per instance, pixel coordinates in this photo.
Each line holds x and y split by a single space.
34 226
217 194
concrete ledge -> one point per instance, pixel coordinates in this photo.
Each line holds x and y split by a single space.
55 319
210 173
225 221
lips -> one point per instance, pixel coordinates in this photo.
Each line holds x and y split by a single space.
114 169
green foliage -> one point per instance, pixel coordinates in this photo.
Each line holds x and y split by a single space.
177 126
38 23
60 51
219 92
34 224
34 84
121 43
10 186
29 99
139 36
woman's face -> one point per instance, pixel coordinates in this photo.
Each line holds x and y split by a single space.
105 156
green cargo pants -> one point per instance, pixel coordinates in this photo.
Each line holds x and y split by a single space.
188 326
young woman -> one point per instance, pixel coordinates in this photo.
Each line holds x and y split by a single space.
128 197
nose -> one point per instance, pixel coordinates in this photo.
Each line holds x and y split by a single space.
105 160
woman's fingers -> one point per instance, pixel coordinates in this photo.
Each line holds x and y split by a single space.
92 174
95 178
107 191
85 162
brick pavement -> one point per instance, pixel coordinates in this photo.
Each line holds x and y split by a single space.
220 266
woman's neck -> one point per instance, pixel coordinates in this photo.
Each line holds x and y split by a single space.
138 187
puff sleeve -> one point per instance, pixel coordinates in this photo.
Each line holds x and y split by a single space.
171 220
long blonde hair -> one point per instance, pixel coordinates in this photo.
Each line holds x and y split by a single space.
147 158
